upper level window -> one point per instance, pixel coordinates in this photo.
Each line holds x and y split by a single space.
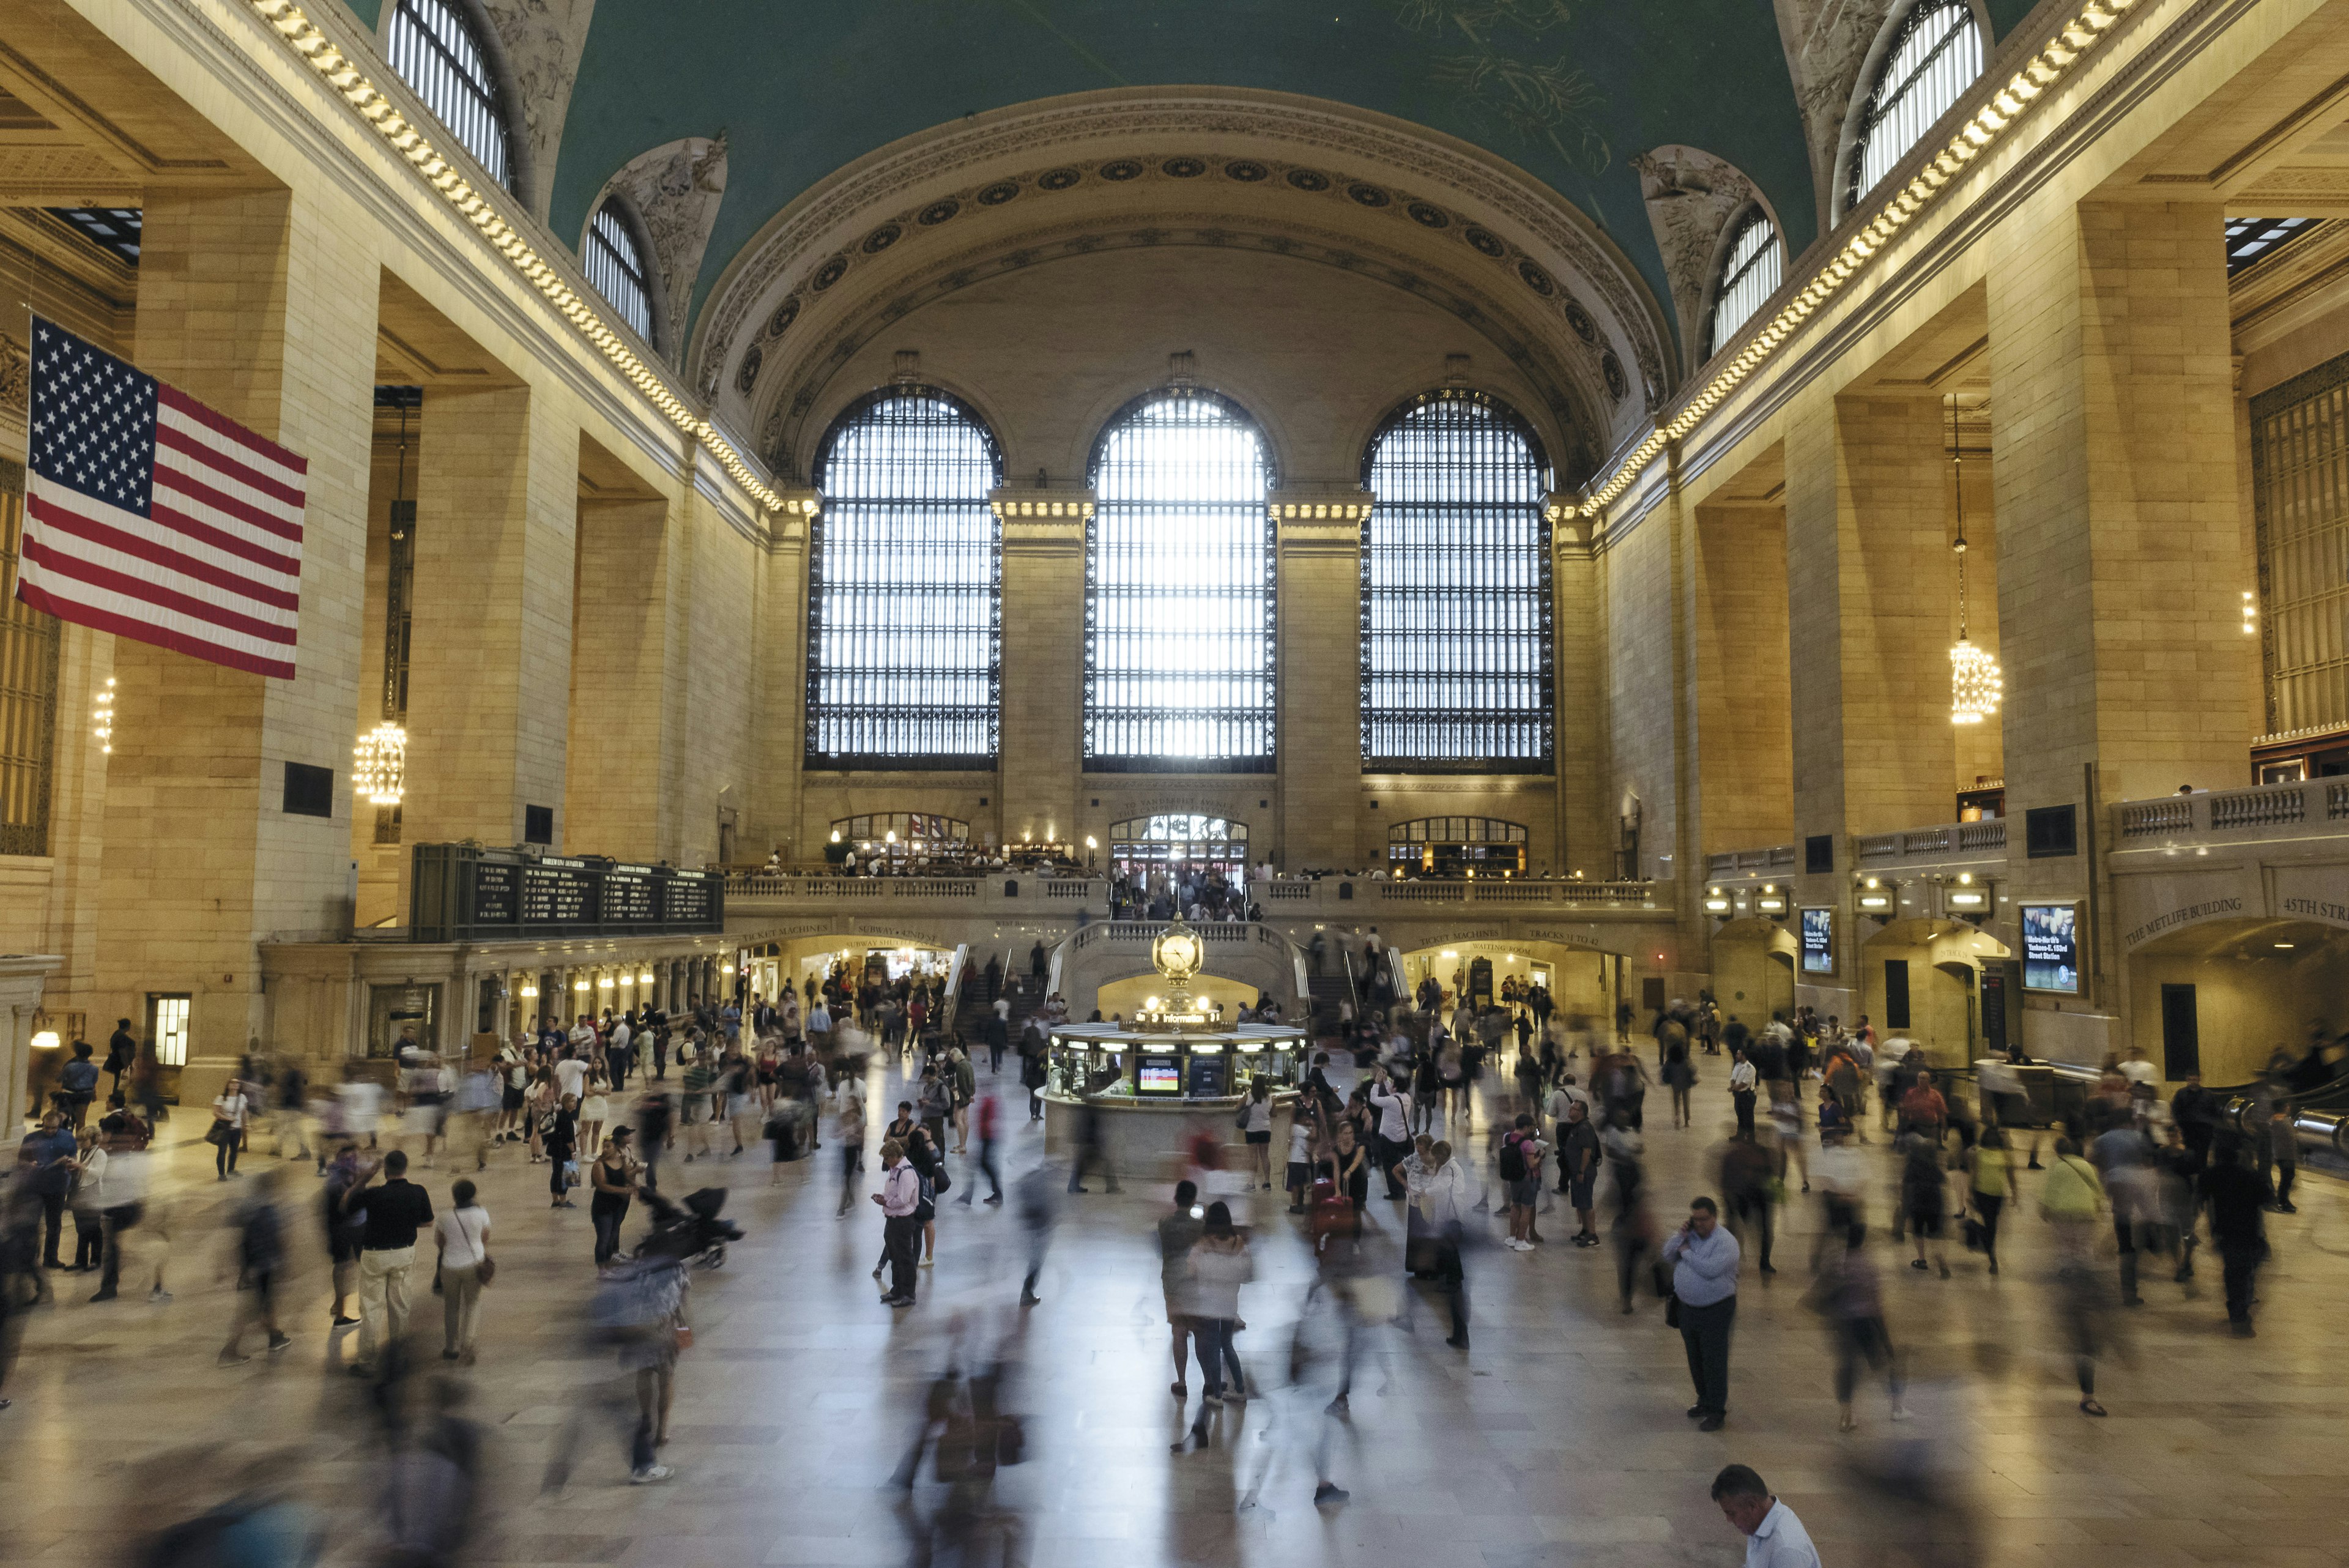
1457 657
1179 591
432 46
1934 56
113 229
2256 239
904 588
1749 275
616 265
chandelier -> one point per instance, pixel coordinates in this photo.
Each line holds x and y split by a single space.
379 764
1976 684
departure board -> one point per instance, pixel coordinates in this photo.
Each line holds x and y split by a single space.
463 891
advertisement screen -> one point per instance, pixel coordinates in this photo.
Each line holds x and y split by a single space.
1819 942
1158 1075
2051 948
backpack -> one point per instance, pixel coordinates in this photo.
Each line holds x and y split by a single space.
1513 1160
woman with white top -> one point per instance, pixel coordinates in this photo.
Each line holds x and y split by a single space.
595 1110
462 1235
1219 1265
1256 1122
229 1113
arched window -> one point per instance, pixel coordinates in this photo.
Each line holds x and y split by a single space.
1749 275
1178 590
432 46
1448 845
1933 56
1456 591
1177 839
616 265
904 588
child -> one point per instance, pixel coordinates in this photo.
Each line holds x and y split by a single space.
1300 1160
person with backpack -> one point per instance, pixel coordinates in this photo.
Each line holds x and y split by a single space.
1520 1171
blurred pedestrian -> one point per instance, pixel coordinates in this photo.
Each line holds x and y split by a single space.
2236 1196
1745 1182
1178 1232
1992 1183
257 1264
851 1136
1703 1258
461 1235
1633 1229
1851 1297
1218 1265
1038 1198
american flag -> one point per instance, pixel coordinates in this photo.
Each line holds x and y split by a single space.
148 515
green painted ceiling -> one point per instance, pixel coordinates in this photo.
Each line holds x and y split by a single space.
1567 89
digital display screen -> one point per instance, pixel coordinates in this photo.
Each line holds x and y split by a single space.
2051 948
1819 942
1158 1075
1206 1077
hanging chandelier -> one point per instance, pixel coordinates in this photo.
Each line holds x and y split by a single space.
379 764
1976 684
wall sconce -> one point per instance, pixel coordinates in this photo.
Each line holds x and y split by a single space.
102 720
379 766
47 1040
603 982
528 989
578 985
1716 902
646 978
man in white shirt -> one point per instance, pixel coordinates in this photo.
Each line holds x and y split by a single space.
1774 1538
571 1076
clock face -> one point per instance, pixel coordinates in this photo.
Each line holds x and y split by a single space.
1179 954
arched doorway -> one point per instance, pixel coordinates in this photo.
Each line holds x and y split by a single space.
1142 846
1921 979
2221 997
1754 971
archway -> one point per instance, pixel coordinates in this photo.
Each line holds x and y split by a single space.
1123 998
2223 996
1753 971
1145 847
1578 980
1921 980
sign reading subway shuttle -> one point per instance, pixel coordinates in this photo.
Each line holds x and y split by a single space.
466 892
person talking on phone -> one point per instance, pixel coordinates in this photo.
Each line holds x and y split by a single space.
1704 1257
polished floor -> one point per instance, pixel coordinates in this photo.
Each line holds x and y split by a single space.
1558 1438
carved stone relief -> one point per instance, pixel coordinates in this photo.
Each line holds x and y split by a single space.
542 40
676 189
1826 44
1690 195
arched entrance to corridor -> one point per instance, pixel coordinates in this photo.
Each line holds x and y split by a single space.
1922 979
2223 996
1578 980
1140 846
887 955
1753 971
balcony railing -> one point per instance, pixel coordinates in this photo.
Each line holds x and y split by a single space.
1951 840
1344 898
2252 813
1217 933
1741 862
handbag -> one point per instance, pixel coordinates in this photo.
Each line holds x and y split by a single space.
485 1271
1672 1308
220 1132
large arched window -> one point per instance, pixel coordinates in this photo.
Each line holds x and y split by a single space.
1750 275
432 46
904 588
1179 591
1933 56
616 265
1456 591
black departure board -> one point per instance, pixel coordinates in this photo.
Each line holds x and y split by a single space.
464 892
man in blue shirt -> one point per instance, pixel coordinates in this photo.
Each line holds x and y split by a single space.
78 1081
49 1154
1704 1257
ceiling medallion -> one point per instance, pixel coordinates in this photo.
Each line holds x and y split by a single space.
1057 179
1428 217
1183 168
1537 279
1580 319
1002 191
1246 170
831 272
1122 170
785 314
1368 195
1612 369
1484 244
937 212
748 376
1306 180
882 238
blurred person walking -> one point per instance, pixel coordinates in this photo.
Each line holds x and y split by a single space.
462 1237
2237 1199
1218 1265
851 1136
1704 1257
1991 1182
1178 1232
258 1267
1851 1296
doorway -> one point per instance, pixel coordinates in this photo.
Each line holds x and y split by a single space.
2181 1038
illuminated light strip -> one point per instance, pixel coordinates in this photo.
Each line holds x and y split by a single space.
343 73
1991 121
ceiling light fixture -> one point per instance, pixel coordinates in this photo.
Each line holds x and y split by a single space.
1975 683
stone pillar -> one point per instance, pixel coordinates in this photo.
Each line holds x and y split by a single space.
779 700
622 721
2122 556
490 665
1870 596
1319 693
1580 693
262 306
21 979
1042 765
1746 761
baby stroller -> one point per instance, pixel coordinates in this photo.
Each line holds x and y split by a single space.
691 1232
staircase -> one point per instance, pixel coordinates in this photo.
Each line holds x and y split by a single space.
1329 992
1024 992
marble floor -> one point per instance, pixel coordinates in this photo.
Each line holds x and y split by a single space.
1558 1438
